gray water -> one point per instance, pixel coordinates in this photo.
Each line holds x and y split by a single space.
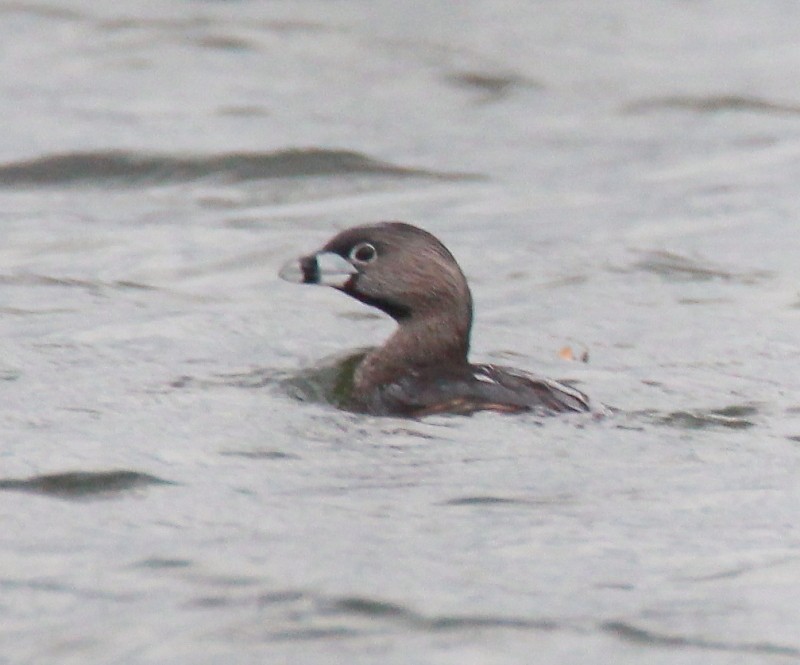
617 178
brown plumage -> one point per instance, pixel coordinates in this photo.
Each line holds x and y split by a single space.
423 367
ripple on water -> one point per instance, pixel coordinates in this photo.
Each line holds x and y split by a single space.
490 500
158 563
82 484
711 104
682 268
484 501
330 381
264 454
128 169
637 635
301 616
492 86
9 374
737 416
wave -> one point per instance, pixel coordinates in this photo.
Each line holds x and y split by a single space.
81 484
125 168
711 104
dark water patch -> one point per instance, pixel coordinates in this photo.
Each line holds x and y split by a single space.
278 597
676 267
405 431
711 104
795 438
41 10
210 602
382 610
492 87
94 286
482 501
730 417
82 484
314 633
251 111
19 311
738 571
184 381
133 286
328 383
704 301
225 43
736 411
141 22
229 581
642 636
129 169
66 588
296 25
259 454
158 563
368 607
80 409
46 280
473 622
296 602
491 500
7 374
257 378
295 615
560 282
197 22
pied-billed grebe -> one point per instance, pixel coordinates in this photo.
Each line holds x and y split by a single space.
423 367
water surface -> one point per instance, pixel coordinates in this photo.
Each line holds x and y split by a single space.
177 486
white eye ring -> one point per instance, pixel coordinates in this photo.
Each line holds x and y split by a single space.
363 252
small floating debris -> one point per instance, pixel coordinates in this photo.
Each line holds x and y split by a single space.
566 353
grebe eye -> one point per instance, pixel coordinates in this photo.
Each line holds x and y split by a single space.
363 252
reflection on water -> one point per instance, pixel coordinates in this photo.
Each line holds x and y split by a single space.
329 382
